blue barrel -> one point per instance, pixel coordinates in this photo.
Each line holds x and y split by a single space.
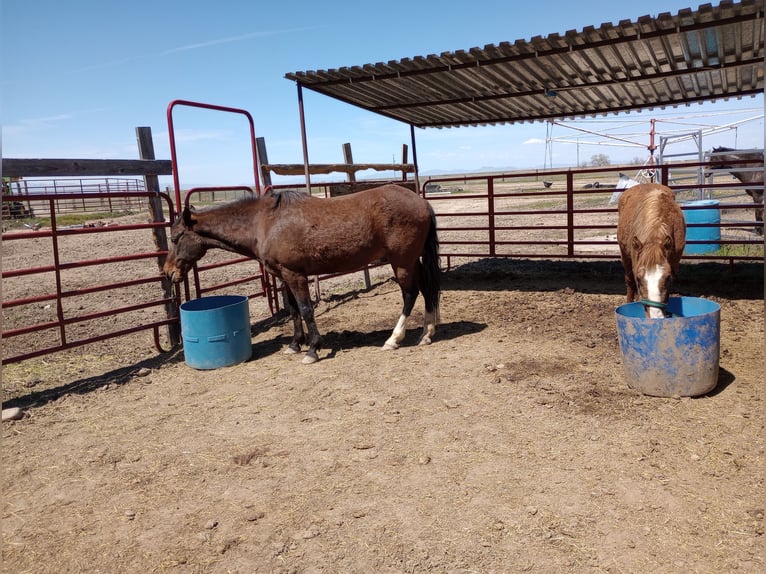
677 356
216 331
708 213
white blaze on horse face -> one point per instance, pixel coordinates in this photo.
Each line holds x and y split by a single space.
653 293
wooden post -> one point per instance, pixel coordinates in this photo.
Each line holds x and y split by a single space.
263 159
349 159
156 212
405 153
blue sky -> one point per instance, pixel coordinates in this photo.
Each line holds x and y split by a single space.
79 76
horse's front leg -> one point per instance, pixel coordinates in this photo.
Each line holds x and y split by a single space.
630 281
632 288
299 337
299 286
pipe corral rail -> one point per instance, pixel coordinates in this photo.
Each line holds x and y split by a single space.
572 214
68 321
556 214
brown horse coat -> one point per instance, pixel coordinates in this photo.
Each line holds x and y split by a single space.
295 235
651 233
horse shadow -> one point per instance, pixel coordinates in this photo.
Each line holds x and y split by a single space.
334 341
742 281
352 339
120 376
535 275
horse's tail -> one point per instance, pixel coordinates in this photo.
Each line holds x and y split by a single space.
430 273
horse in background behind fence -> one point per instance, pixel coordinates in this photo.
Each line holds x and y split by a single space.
296 235
750 172
651 233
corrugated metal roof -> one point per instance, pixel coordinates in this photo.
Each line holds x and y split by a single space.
705 54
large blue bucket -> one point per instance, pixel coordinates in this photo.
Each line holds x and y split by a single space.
677 356
216 331
708 213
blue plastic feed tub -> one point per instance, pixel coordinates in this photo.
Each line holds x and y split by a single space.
676 356
707 212
216 331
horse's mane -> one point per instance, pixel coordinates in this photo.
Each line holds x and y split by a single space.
734 151
281 199
652 255
235 205
287 197
651 227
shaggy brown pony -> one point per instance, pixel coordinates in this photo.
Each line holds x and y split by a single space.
651 232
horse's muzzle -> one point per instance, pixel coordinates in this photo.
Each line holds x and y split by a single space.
173 271
655 309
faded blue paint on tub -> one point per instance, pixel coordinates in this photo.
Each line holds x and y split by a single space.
711 232
674 356
216 331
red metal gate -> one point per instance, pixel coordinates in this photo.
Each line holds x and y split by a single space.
46 302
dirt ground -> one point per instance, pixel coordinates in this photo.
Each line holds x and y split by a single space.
511 444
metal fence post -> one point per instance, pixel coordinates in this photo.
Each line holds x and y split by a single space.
570 213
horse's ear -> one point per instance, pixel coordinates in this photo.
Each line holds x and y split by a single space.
188 217
636 244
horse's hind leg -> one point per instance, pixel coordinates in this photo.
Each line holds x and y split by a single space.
430 320
431 317
299 336
408 285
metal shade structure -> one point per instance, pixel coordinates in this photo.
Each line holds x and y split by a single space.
711 53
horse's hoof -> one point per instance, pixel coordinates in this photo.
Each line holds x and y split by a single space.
308 359
291 351
390 346
425 341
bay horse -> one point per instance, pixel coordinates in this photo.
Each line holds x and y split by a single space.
295 235
724 158
651 233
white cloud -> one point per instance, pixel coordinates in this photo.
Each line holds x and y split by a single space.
533 141
231 39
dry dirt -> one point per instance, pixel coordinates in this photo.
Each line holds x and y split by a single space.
511 444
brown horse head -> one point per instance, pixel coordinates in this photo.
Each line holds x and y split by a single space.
187 247
651 233
654 274
721 157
